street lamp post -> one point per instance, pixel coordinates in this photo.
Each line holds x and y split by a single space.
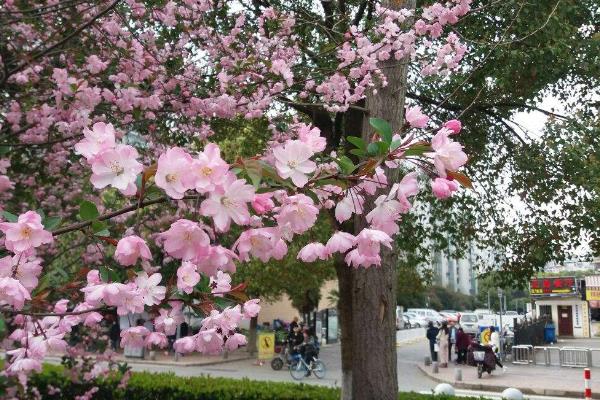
500 333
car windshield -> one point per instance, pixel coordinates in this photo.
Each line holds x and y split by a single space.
468 318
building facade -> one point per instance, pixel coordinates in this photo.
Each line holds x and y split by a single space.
457 274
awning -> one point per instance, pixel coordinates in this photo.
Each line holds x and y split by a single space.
592 290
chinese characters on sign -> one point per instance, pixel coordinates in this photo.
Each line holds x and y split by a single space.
577 315
563 286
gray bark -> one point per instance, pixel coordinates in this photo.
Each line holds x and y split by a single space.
373 291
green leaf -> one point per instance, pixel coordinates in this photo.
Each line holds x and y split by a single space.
358 152
41 213
395 144
98 226
4 150
418 150
346 165
104 273
52 223
254 171
383 128
358 142
103 232
10 217
382 148
372 149
88 210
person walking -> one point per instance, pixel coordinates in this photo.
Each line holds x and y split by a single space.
495 343
431 334
463 341
452 340
443 339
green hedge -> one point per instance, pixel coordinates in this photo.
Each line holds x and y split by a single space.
165 386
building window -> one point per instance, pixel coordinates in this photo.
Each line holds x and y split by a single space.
545 311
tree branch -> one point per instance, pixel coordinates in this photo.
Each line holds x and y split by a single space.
64 40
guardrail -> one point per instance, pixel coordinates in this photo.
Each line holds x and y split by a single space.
571 357
575 357
522 354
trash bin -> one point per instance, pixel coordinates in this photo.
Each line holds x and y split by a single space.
549 333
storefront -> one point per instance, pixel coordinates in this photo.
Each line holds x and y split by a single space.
560 299
592 295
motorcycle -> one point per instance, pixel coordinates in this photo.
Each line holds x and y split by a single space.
483 358
284 357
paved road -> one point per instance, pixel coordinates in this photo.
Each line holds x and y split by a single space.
410 378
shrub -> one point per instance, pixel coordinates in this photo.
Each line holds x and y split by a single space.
167 386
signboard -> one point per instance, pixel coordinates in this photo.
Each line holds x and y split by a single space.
266 346
592 288
577 316
553 287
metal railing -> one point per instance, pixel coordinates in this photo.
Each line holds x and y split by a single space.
572 357
577 357
522 354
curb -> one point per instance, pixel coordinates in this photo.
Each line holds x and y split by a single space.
499 388
134 361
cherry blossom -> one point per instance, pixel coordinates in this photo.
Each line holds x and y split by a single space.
116 167
251 308
443 188
149 288
416 118
174 172
313 251
130 248
293 161
220 283
229 203
100 137
185 240
25 234
187 277
447 154
209 169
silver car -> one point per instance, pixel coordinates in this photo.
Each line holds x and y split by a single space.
469 322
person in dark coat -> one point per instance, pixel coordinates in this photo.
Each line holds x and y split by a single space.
115 334
432 333
463 341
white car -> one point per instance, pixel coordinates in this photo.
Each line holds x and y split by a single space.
428 314
470 323
416 321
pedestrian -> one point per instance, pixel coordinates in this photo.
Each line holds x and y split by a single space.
432 333
293 324
495 343
115 333
443 339
463 341
452 341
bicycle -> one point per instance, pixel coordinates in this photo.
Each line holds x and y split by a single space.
299 369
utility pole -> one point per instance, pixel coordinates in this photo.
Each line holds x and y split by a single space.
501 349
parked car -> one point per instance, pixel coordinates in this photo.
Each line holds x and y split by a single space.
450 316
470 323
428 314
416 321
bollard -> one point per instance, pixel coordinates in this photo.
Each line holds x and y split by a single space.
435 367
458 374
512 394
587 375
445 389
427 361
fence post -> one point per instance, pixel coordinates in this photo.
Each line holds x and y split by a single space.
588 390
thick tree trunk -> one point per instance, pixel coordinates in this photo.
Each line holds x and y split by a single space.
344 275
252 336
368 296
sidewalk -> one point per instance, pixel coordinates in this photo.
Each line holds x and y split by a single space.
529 379
189 360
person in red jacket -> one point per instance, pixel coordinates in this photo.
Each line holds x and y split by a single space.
463 341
